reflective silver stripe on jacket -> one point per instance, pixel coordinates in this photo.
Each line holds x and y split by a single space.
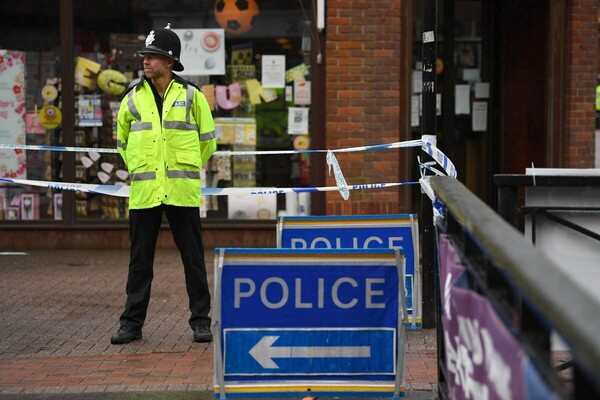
188 103
132 108
184 125
136 126
180 125
122 144
206 136
143 176
140 126
183 174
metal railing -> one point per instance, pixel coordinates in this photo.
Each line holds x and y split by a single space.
530 294
509 190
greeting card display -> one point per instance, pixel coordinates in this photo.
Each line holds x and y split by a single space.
30 206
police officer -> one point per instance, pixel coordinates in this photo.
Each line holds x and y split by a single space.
165 134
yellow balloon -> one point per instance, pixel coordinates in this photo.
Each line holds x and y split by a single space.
112 82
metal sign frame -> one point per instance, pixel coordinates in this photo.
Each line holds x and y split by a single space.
348 356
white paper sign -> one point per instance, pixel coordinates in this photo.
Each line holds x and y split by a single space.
202 51
482 90
471 74
461 99
302 93
417 81
297 121
415 107
273 71
13 164
479 119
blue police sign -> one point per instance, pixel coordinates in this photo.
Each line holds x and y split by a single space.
394 231
311 351
322 319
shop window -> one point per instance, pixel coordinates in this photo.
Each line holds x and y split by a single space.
251 58
29 66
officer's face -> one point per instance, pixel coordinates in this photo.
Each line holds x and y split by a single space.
156 66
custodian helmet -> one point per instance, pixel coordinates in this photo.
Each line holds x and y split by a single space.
164 42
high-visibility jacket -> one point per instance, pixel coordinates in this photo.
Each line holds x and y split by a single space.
164 156
598 98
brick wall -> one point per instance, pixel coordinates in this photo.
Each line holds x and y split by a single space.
582 53
33 238
363 75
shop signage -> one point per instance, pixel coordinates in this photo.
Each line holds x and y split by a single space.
395 231
13 163
307 318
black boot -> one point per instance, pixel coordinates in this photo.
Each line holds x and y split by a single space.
202 334
125 336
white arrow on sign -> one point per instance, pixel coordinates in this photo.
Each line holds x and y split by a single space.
264 352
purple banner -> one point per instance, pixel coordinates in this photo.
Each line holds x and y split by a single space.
483 360
451 269
450 264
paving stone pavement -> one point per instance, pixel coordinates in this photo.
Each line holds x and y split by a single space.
58 310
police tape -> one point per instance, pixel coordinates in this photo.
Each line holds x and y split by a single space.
57 148
123 190
71 149
427 144
340 181
430 148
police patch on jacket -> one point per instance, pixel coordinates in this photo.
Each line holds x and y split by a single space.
179 103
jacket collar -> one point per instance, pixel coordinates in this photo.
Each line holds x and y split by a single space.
176 78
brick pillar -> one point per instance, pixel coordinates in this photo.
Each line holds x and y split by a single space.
363 100
582 53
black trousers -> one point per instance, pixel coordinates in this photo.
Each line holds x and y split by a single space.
185 226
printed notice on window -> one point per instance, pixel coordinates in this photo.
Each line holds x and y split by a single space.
298 120
461 99
482 90
479 120
415 110
273 71
417 81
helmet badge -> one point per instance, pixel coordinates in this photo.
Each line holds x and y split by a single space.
150 38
